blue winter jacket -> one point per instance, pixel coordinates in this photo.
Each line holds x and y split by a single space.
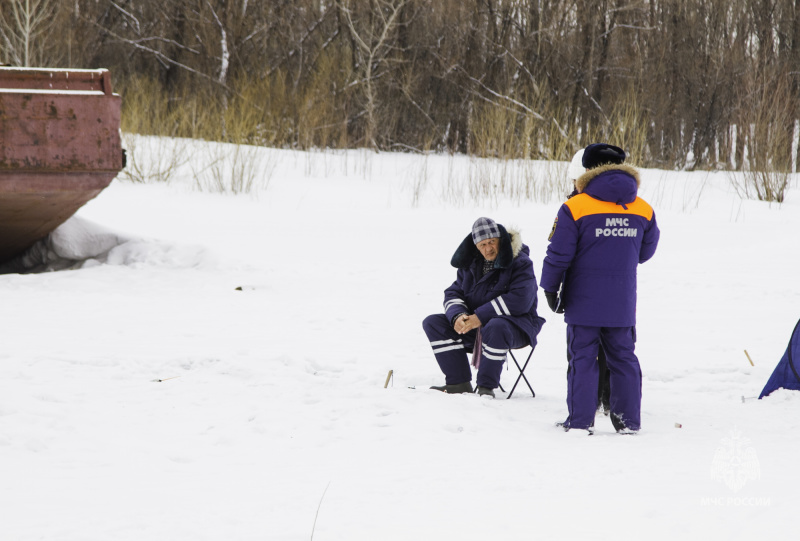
508 291
598 239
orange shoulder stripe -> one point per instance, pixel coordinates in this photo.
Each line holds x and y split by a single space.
584 205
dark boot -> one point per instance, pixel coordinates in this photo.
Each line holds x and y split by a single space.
619 425
485 391
456 388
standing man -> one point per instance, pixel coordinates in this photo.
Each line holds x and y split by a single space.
489 309
598 239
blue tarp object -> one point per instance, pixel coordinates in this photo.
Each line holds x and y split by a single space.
787 373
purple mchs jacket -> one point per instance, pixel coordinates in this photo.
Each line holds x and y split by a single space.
508 291
598 239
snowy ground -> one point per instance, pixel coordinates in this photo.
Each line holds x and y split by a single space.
276 423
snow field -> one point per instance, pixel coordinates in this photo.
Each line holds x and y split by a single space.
276 391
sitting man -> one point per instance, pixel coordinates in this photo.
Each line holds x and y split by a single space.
489 309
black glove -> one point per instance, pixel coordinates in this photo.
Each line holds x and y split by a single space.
554 302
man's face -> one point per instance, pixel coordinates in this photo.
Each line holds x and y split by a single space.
488 248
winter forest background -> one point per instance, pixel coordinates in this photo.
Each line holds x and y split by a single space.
680 84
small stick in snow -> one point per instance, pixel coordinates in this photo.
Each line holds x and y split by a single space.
748 358
388 377
165 379
747 398
314 526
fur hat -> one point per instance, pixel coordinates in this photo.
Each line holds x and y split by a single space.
484 228
598 154
576 168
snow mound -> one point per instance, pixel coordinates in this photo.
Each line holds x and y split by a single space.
136 253
79 243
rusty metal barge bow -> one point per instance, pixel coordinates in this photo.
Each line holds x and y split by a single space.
59 147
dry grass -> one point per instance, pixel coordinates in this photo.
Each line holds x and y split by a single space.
270 112
153 159
768 142
233 168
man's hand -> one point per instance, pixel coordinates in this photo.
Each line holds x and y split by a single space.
466 323
553 302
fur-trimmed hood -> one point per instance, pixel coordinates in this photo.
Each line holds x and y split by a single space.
617 183
510 247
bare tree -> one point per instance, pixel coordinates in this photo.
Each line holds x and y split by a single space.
372 39
24 26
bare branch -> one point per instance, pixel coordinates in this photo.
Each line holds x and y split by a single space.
501 96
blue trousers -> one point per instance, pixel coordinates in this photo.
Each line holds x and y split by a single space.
450 349
625 375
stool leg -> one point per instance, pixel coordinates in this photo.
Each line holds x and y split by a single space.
521 374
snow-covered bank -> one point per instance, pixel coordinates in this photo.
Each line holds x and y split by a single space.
80 243
274 393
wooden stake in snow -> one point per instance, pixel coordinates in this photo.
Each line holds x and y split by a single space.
388 377
748 358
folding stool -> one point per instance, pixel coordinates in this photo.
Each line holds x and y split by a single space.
521 373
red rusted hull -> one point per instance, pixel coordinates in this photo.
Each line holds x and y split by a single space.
59 147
